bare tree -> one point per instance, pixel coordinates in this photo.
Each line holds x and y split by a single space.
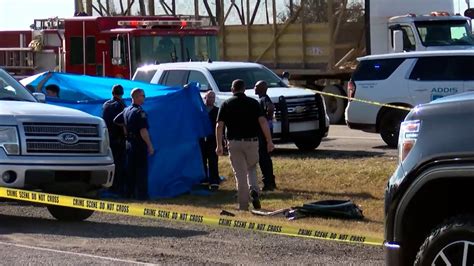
109 9
141 3
151 7
316 11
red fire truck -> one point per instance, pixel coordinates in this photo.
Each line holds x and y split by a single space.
105 46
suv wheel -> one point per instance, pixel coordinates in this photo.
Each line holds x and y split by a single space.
452 243
308 144
390 126
335 106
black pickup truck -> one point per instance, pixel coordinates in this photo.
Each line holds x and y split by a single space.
429 208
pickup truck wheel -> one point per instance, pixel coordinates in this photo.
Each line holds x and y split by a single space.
73 214
69 214
451 243
335 106
308 144
390 126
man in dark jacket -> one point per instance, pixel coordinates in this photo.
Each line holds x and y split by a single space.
208 144
110 110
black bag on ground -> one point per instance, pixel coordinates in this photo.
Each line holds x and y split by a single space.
345 209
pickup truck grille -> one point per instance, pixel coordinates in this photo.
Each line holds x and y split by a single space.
61 138
300 109
36 146
46 129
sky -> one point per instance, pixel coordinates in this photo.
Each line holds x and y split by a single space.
19 14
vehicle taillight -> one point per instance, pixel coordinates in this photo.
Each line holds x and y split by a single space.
351 89
408 135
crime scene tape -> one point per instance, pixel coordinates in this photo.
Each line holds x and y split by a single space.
138 210
363 101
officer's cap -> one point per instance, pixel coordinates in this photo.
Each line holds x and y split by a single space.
117 90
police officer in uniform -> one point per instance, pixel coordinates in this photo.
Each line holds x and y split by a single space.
243 117
265 160
110 110
208 144
139 145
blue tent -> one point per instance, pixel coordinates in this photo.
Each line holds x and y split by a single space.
177 119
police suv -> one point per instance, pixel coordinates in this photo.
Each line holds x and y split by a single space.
300 114
404 79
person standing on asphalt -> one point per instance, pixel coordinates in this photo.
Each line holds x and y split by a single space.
139 145
208 144
265 161
110 110
242 116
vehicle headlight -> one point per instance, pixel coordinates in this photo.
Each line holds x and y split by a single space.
9 140
105 140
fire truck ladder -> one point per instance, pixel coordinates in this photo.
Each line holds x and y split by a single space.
17 60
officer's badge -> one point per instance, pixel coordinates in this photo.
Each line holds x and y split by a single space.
143 114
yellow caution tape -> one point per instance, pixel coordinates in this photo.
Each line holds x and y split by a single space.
150 212
364 101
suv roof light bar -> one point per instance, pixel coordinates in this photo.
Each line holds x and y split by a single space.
440 14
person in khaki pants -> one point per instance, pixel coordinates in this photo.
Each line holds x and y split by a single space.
242 116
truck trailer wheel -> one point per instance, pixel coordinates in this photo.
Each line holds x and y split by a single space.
390 126
335 106
451 243
69 214
308 144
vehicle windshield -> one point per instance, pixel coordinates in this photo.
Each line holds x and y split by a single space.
148 50
200 48
164 49
444 33
250 75
12 90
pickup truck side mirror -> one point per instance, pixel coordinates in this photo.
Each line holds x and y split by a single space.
116 52
397 41
469 13
285 77
40 97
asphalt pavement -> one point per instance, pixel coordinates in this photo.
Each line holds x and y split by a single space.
344 141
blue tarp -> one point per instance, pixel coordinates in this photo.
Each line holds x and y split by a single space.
176 116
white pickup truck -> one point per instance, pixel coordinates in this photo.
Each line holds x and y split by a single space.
300 115
51 148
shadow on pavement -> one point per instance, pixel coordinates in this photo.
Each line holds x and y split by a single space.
89 229
384 147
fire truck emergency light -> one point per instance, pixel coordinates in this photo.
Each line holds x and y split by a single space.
155 23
